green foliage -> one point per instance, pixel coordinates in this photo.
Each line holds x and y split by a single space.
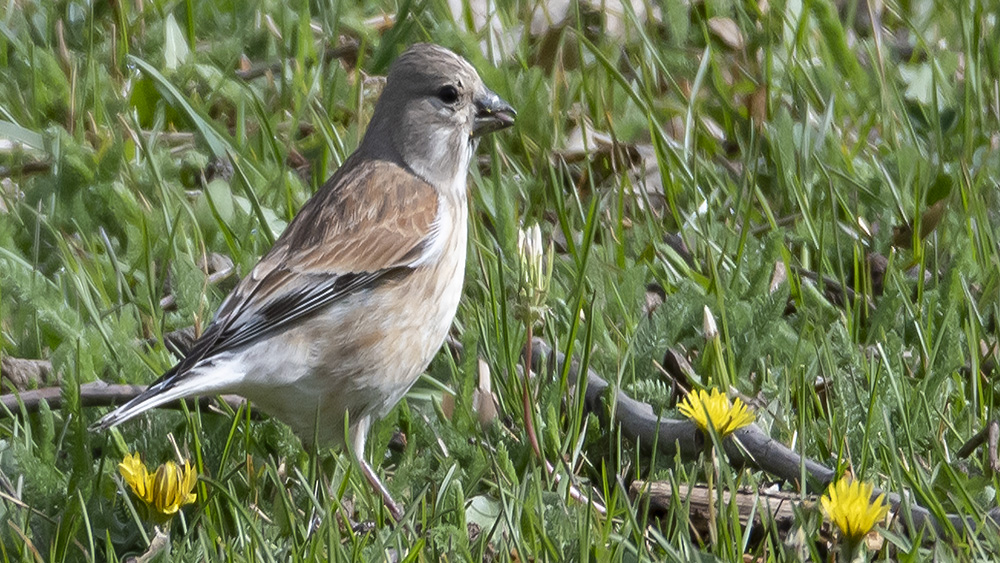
785 144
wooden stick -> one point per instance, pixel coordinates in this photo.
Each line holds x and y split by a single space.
777 507
749 446
989 435
101 394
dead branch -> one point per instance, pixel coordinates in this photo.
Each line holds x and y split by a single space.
101 394
989 435
23 374
748 446
26 169
777 507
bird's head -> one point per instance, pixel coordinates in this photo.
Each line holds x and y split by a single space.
432 112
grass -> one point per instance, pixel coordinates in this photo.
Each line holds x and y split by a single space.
771 137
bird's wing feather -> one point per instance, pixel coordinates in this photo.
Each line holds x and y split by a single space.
371 220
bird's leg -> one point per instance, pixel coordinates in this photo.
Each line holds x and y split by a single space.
394 508
359 434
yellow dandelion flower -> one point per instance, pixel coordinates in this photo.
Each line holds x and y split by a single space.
849 504
172 487
715 408
134 472
166 490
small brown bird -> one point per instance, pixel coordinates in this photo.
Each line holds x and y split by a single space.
356 296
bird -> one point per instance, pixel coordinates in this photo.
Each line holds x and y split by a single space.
335 323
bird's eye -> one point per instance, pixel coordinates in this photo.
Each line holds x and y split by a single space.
448 94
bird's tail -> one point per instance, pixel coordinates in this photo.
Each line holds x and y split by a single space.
170 387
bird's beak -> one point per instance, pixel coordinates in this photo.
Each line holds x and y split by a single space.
492 114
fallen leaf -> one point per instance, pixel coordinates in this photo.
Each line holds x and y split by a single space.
727 31
902 235
779 277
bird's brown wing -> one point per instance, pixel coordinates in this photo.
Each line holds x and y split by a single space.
371 220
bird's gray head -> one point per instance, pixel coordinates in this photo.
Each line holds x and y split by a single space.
432 112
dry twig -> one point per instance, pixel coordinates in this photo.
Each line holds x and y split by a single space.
101 394
989 435
748 446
